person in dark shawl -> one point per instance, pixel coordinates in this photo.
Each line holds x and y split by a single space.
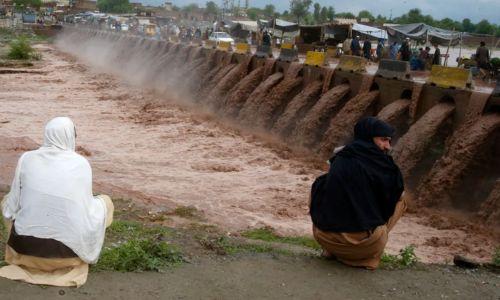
355 205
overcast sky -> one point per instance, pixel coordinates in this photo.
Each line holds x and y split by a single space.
439 9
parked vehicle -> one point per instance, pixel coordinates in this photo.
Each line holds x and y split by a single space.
221 37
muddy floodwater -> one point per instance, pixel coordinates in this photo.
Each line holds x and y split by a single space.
160 150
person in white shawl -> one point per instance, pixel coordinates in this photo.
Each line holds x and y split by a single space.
51 206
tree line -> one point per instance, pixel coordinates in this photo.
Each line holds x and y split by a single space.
305 12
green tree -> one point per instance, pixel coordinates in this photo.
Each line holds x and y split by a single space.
364 14
331 13
211 8
114 6
300 8
269 10
467 25
190 8
323 15
380 19
415 16
345 15
484 27
254 13
316 13
27 3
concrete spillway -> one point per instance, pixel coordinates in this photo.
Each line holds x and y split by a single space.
312 107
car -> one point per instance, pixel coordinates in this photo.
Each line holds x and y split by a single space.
221 37
124 27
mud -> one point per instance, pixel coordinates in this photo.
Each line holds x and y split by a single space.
490 208
412 146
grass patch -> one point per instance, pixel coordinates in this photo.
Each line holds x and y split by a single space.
139 255
267 234
20 49
496 257
186 212
405 259
131 246
223 245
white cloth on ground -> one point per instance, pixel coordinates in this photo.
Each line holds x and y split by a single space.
51 194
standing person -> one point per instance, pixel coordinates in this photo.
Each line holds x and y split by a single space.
405 50
356 47
423 57
367 48
483 56
380 49
436 57
393 50
58 226
266 39
355 206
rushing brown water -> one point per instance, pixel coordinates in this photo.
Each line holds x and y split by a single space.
308 130
412 146
390 113
490 208
341 126
217 94
264 97
463 147
239 94
297 108
251 106
279 96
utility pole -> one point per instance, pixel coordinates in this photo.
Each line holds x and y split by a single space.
246 4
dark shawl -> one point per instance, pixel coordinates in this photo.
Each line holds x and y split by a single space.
362 187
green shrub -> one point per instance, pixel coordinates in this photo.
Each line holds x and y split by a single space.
405 258
495 62
139 255
20 48
496 257
267 234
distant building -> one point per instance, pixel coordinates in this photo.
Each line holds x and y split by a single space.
169 6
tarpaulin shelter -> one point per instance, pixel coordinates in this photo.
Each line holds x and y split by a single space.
422 33
368 31
241 29
278 24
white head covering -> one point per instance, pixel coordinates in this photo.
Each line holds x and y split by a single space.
51 194
60 133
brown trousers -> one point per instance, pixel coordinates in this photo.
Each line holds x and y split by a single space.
360 249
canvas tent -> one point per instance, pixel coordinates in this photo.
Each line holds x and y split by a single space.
422 32
278 24
368 31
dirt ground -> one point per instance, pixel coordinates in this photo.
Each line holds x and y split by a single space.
167 153
266 277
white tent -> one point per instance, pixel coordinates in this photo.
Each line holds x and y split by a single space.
374 32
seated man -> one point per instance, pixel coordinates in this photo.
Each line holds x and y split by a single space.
57 225
358 202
